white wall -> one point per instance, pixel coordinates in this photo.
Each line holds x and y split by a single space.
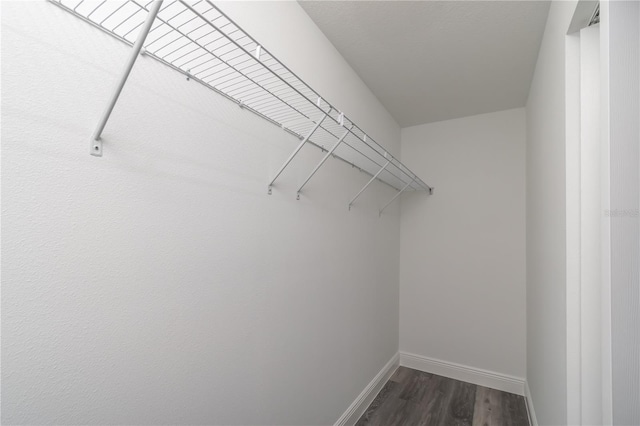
160 283
546 224
462 270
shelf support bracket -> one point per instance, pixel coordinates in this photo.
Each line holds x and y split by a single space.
368 183
395 196
327 155
295 152
96 141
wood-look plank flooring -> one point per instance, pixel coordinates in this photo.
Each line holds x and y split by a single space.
412 397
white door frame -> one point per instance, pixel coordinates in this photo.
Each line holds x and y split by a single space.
588 230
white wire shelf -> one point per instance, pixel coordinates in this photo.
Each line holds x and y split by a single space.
197 39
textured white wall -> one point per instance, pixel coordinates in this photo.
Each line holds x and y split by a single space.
160 283
462 271
546 223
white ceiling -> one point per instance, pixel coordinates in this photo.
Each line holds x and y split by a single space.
436 60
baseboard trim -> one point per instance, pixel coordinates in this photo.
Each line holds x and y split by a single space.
358 407
533 421
477 376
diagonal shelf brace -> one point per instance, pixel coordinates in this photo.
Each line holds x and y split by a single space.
322 161
295 152
374 177
395 196
96 142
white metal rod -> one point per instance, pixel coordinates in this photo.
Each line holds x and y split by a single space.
294 153
394 197
96 145
323 160
368 183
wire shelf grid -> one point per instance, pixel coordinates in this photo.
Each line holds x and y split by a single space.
197 39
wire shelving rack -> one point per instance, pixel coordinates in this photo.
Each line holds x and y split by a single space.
197 39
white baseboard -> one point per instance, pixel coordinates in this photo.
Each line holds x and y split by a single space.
362 402
533 421
477 376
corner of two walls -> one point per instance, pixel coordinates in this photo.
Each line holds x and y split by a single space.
462 270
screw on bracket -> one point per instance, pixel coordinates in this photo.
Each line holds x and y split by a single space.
96 148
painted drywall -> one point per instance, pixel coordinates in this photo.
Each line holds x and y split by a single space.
462 261
160 284
546 224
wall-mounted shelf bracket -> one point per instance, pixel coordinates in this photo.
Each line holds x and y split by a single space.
96 141
327 155
374 177
298 148
394 197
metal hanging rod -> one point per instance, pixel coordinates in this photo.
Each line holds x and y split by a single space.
197 39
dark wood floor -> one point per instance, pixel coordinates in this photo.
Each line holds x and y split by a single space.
412 397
